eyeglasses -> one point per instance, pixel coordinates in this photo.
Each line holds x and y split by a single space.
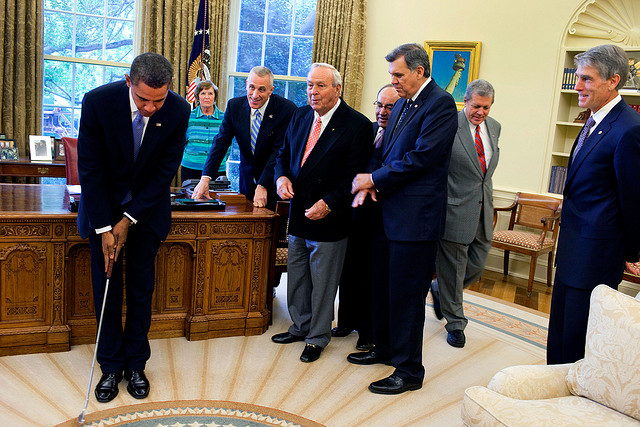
381 106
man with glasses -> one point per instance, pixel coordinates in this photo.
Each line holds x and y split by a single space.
354 311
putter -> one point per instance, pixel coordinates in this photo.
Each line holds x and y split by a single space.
95 351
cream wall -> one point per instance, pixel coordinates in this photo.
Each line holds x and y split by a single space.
520 50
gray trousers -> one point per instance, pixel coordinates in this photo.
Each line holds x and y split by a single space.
313 274
458 266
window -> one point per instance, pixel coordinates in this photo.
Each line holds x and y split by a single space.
277 34
87 43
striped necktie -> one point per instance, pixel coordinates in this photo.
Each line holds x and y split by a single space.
583 135
255 128
138 129
480 150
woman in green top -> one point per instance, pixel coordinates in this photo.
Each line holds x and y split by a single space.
204 124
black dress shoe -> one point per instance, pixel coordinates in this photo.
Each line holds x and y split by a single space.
436 304
286 338
311 353
367 358
393 385
107 387
340 331
364 346
138 384
456 338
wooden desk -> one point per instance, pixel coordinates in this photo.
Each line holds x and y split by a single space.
211 273
25 167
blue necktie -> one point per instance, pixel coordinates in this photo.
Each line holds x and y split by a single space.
407 105
255 128
583 135
138 129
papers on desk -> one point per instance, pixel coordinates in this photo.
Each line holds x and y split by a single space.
73 189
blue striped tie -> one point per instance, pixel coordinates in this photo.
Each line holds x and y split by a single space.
138 128
255 128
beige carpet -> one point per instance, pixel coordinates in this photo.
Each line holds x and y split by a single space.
47 389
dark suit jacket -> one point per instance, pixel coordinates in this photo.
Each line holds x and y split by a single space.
342 150
105 160
601 209
410 171
254 168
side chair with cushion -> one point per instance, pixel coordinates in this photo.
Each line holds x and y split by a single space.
603 389
531 211
71 160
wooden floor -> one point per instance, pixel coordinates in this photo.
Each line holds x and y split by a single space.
514 290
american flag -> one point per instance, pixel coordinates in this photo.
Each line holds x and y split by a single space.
200 59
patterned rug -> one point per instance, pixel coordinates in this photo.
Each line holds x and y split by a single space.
193 413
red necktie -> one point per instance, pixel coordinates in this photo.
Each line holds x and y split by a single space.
480 150
313 138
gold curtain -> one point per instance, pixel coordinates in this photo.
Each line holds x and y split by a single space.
168 30
21 68
340 41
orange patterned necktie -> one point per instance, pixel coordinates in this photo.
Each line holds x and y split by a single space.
313 138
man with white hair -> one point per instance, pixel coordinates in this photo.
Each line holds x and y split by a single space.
326 144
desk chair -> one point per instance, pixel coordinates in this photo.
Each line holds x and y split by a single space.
532 211
71 160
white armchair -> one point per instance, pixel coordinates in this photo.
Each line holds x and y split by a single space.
603 389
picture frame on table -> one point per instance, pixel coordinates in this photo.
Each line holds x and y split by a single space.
58 149
41 148
454 64
8 149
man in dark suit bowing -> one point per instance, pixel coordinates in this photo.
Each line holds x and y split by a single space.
326 144
258 122
599 223
130 143
409 179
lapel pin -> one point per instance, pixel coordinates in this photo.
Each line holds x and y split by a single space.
271 116
158 124
600 133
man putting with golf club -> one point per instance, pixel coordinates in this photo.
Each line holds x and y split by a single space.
130 143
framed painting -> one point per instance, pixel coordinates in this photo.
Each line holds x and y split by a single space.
454 65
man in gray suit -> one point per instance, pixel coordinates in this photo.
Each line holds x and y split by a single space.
463 250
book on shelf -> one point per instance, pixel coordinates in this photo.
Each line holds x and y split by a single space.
569 78
557 179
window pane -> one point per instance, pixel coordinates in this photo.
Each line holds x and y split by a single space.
249 52
92 77
113 74
276 56
58 78
297 93
301 57
119 41
279 17
280 87
121 8
252 15
305 17
58 4
58 122
93 7
58 33
238 87
89 34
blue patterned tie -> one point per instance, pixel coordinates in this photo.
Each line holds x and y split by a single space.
138 129
583 135
407 105
255 128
